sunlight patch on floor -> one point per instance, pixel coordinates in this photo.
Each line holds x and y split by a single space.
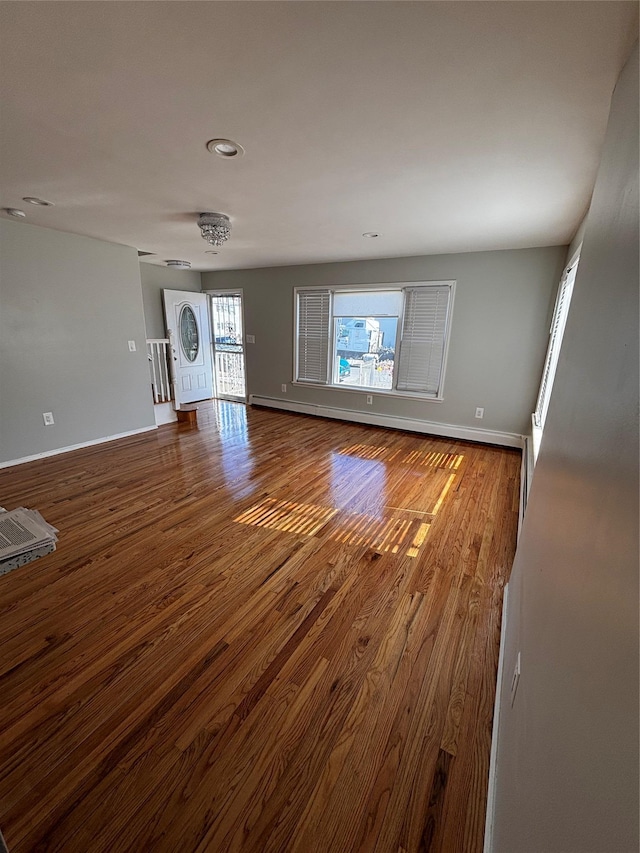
427 459
390 535
433 460
287 516
385 535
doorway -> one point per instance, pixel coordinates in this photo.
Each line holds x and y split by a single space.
227 322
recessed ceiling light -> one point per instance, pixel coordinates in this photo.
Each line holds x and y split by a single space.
370 234
13 211
210 252
179 265
225 148
31 199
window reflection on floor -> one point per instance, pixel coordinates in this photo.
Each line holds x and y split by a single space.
414 457
236 457
287 515
359 475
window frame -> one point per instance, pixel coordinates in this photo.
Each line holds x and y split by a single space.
401 286
561 310
554 346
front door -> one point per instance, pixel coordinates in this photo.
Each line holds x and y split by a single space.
228 345
187 321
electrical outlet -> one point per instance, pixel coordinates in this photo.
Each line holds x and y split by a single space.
251 339
369 400
284 388
47 417
515 680
132 346
479 412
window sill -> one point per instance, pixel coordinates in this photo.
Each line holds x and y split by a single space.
378 392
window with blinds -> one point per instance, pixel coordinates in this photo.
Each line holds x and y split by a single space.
560 314
391 338
422 347
314 312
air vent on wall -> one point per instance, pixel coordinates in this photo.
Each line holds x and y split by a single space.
144 254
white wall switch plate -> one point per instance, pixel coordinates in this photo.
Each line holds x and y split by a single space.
47 417
251 339
479 412
284 388
369 400
132 346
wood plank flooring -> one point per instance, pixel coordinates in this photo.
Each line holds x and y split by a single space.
270 633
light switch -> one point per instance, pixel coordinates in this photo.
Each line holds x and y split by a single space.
132 346
251 339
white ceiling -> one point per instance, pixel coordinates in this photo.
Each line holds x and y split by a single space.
445 126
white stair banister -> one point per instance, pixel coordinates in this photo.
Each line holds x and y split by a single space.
157 351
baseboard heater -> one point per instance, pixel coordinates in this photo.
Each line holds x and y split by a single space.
484 436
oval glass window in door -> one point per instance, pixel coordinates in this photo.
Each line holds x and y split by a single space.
189 337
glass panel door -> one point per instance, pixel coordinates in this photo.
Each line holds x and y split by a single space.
228 346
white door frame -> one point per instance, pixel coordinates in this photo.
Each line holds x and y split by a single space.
229 291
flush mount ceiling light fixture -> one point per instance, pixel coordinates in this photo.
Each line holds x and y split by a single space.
179 265
225 148
31 199
370 234
13 211
215 227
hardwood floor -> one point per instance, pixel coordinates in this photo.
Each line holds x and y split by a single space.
272 633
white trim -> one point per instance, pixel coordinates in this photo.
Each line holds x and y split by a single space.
71 447
495 732
224 291
504 439
164 413
526 474
363 287
536 439
575 257
364 389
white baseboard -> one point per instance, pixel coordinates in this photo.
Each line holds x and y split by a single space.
504 439
164 413
495 732
71 447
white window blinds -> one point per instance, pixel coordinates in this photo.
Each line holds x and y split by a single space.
314 313
558 323
424 332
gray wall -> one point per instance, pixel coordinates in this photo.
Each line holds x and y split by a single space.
567 768
154 280
68 306
499 335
